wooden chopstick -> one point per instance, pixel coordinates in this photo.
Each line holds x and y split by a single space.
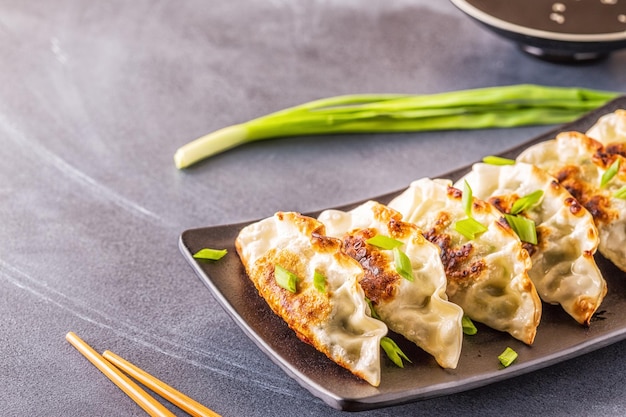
178 398
142 398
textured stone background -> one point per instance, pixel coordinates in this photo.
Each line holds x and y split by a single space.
95 97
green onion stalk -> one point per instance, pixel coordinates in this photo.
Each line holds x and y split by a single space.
490 107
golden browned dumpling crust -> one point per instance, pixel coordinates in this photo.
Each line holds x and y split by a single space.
488 275
334 320
579 162
563 267
412 303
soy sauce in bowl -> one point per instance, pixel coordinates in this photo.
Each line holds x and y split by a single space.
563 30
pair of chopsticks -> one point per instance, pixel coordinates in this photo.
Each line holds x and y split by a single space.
112 366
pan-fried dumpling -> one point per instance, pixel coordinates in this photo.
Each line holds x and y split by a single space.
578 162
487 276
610 128
334 319
415 307
564 270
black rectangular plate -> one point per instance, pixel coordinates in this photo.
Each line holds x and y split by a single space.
558 337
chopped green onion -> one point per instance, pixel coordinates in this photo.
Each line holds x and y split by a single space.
285 279
468 198
403 264
319 281
468 326
393 351
469 227
621 193
373 312
498 160
210 254
610 172
501 106
526 202
384 242
507 357
523 227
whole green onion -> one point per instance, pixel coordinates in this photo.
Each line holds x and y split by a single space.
490 107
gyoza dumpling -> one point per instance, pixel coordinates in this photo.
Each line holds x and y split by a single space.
418 308
487 276
335 320
610 128
578 162
564 270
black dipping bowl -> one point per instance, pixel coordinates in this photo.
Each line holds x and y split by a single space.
566 31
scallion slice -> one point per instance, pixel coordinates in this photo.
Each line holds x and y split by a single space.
610 172
373 312
468 198
526 202
621 193
393 351
403 264
498 160
468 326
210 254
285 279
507 357
523 227
469 227
319 281
384 242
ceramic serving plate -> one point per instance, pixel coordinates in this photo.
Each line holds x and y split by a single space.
558 337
